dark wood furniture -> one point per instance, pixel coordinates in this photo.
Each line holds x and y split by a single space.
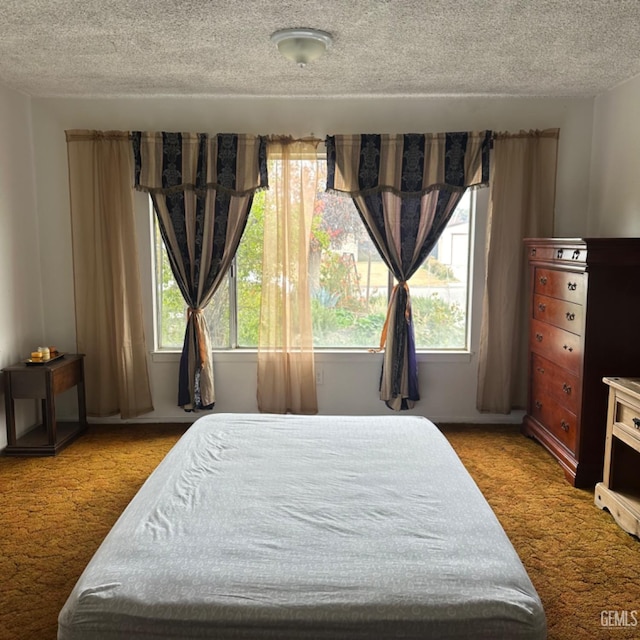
44 382
584 325
619 491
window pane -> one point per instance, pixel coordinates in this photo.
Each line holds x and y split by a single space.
348 280
249 274
348 284
217 313
439 289
171 309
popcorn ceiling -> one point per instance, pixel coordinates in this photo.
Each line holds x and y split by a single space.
101 48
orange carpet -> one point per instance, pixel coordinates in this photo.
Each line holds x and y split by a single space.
54 512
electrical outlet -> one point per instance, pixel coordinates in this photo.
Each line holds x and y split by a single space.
319 375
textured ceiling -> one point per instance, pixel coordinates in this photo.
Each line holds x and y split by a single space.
381 47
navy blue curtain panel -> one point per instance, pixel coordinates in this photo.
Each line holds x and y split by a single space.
405 188
202 187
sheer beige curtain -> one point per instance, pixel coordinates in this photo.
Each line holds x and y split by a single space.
521 205
109 324
286 372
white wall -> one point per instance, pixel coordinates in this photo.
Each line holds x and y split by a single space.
448 382
21 310
614 203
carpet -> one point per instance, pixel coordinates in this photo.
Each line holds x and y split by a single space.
54 512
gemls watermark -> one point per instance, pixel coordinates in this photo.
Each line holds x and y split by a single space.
618 618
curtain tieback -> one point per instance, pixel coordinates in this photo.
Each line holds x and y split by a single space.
195 314
407 315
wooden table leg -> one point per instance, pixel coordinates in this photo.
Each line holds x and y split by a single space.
9 410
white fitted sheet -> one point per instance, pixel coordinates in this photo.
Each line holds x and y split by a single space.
290 527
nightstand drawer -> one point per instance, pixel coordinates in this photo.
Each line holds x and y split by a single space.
565 285
558 383
563 314
627 418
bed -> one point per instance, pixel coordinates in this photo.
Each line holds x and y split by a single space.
298 528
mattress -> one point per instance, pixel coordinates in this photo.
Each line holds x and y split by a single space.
297 528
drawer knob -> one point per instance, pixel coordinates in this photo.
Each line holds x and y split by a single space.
538 404
570 316
539 337
564 425
540 370
542 306
566 388
572 286
559 254
543 279
566 347
636 423
533 251
576 254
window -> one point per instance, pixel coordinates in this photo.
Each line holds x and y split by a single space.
350 285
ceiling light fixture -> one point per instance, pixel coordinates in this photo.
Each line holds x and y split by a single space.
301 45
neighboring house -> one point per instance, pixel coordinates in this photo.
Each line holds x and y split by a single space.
451 249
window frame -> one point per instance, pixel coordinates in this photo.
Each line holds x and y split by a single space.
477 215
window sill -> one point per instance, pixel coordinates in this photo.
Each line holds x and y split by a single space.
324 355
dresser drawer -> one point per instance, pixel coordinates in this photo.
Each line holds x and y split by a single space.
563 314
558 383
555 418
560 346
558 253
566 285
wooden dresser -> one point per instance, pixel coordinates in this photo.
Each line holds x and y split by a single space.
584 325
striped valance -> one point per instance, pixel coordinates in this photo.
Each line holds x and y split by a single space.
167 162
408 165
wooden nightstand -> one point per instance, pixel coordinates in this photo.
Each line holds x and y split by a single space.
44 382
619 491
